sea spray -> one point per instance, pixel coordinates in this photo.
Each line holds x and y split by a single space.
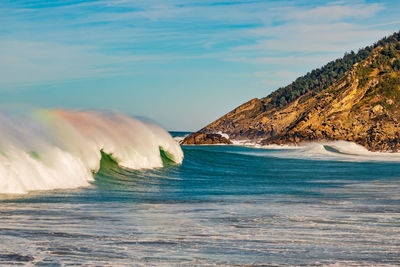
57 149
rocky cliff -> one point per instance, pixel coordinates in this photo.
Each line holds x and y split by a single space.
362 106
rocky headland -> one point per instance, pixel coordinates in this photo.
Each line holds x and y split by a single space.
355 98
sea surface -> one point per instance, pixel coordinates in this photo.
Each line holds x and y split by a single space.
223 206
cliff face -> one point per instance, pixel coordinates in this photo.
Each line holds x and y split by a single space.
363 106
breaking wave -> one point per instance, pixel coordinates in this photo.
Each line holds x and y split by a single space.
59 149
331 151
335 150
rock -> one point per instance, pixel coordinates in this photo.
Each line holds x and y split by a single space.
205 139
377 110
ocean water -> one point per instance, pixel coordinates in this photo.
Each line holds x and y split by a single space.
318 205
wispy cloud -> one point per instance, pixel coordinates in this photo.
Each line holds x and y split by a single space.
26 63
311 36
334 12
329 38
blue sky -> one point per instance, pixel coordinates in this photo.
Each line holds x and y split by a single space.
180 63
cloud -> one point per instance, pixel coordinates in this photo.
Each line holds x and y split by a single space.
335 12
309 37
27 62
24 63
292 61
276 78
329 38
329 28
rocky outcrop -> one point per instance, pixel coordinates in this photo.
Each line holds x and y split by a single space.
361 107
205 139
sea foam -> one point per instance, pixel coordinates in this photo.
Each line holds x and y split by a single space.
58 149
334 150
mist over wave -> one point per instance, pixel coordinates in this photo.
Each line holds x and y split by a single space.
58 149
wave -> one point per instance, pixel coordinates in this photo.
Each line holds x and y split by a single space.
59 149
331 151
335 150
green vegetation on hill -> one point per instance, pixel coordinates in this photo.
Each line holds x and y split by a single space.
386 64
320 79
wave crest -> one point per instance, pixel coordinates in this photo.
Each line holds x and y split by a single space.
58 149
334 150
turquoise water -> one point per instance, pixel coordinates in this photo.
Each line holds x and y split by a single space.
225 205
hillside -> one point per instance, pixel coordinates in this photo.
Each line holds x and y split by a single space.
360 105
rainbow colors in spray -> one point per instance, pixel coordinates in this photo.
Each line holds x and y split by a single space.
58 149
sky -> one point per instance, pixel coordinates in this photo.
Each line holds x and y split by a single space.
181 63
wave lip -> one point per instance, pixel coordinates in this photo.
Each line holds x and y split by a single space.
59 149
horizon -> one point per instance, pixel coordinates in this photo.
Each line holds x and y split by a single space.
180 64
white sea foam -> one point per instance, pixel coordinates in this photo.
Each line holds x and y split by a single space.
280 147
335 150
44 149
179 139
254 144
223 134
243 142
